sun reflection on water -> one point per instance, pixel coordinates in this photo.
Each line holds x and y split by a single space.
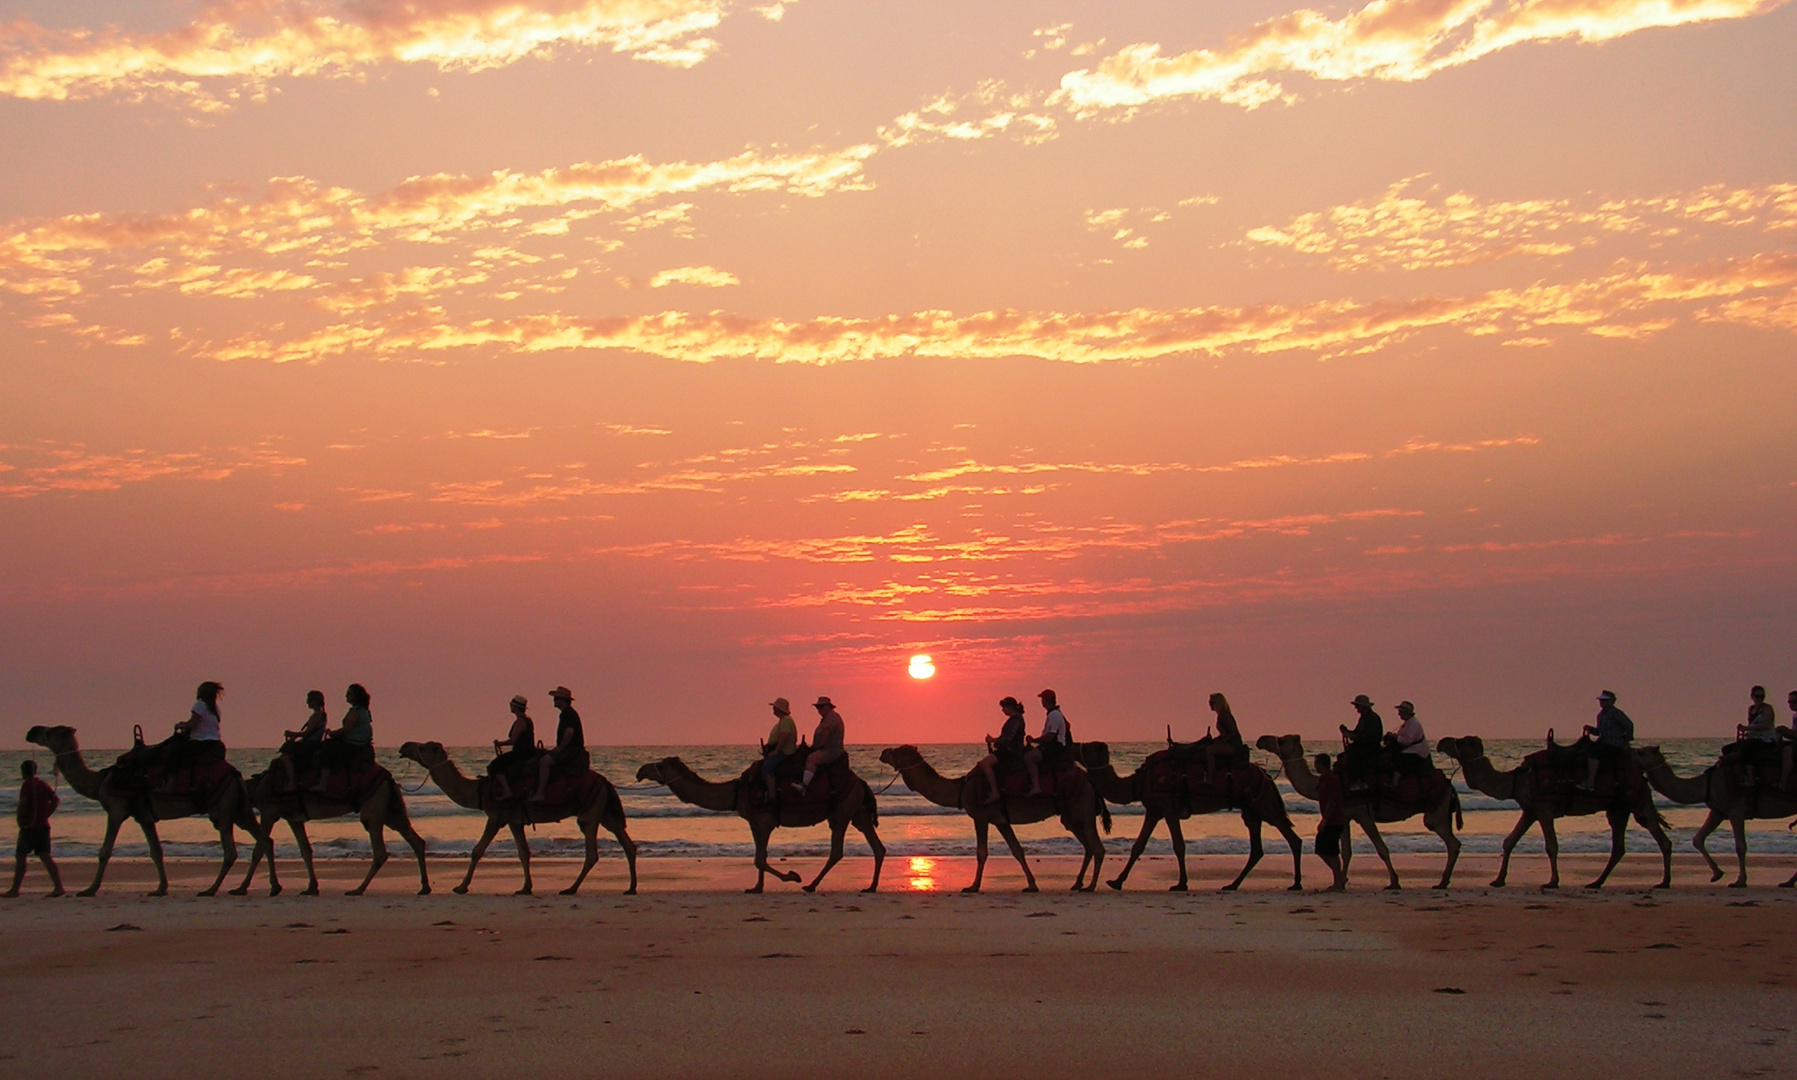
922 875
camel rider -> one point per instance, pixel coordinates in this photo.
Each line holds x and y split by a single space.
1361 753
1790 743
1056 739
522 743
826 741
1409 746
1614 732
570 753
782 743
1008 749
1227 743
351 746
301 747
1756 741
197 740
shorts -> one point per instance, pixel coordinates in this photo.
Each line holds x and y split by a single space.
1329 841
34 841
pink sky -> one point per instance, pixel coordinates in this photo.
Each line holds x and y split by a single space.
693 353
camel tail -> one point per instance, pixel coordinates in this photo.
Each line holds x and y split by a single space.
614 804
1104 812
1459 818
873 804
396 801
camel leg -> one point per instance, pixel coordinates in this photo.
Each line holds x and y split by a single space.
480 848
1094 845
1150 818
979 847
1347 848
1619 823
1297 846
274 882
762 869
629 846
1523 824
1255 851
523 857
112 834
1371 829
155 843
1701 841
589 830
1445 829
403 827
304 842
227 839
1739 821
377 846
866 825
1010 835
1177 834
836 834
1650 820
1550 838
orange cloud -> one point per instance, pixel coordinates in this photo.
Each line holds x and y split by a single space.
44 468
233 49
1395 40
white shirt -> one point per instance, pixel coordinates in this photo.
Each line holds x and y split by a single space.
1411 732
1054 727
205 724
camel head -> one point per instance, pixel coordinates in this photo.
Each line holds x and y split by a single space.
658 771
901 758
1095 755
1284 747
1650 757
58 739
1464 749
428 754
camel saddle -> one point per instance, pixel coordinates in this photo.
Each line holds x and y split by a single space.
830 780
1058 778
198 784
1760 771
568 788
1178 771
1560 769
352 784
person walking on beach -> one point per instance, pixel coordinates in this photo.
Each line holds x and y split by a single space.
1227 743
1614 732
37 801
570 753
1332 819
782 744
522 743
301 748
351 746
1410 747
1364 741
1056 737
826 741
1008 748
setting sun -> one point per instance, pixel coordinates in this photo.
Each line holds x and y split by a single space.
922 667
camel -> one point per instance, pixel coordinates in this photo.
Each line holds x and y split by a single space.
1265 806
1079 811
1441 819
230 810
601 807
853 804
1518 786
1716 788
383 808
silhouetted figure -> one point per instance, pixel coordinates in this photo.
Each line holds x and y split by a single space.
1790 742
1409 746
351 746
1756 741
37 801
782 743
1227 743
826 740
509 765
1613 734
1056 739
198 740
1332 819
569 754
1008 749
1361 754
300 750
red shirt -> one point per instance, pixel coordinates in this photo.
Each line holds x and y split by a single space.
1330 802
37 801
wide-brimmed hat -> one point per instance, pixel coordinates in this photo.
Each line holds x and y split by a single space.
1606 696
519 701
825 703
1361 699
561 691
781 705
1405 706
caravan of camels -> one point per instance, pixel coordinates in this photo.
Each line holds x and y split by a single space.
1378 777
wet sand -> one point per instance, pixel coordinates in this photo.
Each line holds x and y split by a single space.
693 978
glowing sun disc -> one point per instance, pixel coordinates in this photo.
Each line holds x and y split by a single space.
922 667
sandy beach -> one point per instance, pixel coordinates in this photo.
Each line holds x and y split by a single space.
691 977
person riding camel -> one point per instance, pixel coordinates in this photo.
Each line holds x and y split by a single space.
1614 732
1361 754
1409 746
522 743
1056 738
197 740
826 741
1227 743
782 743
570 752
300 749
1008 749
351 746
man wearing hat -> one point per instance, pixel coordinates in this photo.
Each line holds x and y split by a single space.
1410 747
782 742
1614 732
570 753
522 740
826 741
1362 751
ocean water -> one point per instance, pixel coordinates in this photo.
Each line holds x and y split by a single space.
910 826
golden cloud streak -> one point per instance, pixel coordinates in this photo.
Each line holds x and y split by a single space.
46 468
1393 40
246 43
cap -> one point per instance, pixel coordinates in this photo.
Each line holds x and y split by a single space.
1405 706
1047 695
825 702
781 705
561 691
519 701
1606 696
1361 699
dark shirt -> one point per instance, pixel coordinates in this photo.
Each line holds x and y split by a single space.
1227 732
1330 803
524 737
1010 738
37 801
1614 728
570 721
1370 731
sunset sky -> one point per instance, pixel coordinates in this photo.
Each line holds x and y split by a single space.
692 353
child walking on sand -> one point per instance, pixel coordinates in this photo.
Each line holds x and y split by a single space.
37 801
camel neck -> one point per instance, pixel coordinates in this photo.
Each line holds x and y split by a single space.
689 787
1482 777
74 769
923 778
462 790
